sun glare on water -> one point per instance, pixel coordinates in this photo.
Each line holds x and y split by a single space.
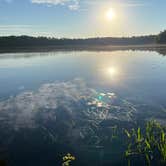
112 71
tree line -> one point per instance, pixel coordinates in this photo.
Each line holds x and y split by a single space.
16 41
29 41
161 38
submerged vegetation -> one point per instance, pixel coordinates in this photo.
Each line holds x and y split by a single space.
145 145
98 128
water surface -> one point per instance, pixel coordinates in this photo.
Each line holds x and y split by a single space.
59 102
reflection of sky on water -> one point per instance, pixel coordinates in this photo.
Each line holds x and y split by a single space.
42 102
130 74
74 97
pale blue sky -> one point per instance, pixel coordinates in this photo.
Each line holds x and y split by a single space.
81 18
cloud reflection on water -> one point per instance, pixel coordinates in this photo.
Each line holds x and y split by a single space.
73 98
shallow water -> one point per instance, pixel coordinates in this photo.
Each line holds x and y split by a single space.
58 102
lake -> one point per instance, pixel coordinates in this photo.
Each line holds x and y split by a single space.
54 103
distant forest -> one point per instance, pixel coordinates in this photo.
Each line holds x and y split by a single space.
28 41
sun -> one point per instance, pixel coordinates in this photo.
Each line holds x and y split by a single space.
112 71
110 14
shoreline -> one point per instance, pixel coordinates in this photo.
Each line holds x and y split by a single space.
160 48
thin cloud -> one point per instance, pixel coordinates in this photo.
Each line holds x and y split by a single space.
15 28
32 30
8 1
124 4
133 4
71 4
74 6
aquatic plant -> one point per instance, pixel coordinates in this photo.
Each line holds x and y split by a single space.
67 159
147 142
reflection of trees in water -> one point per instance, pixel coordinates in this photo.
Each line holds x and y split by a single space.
55 51
161 51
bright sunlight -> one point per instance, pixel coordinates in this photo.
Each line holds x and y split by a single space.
110 14
112 71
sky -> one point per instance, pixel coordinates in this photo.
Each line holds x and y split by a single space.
82 18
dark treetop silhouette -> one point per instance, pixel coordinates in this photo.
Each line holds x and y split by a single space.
29 43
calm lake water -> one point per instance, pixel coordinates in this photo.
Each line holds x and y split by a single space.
136 75
59 102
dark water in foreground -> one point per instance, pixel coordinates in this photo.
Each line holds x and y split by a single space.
60 102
